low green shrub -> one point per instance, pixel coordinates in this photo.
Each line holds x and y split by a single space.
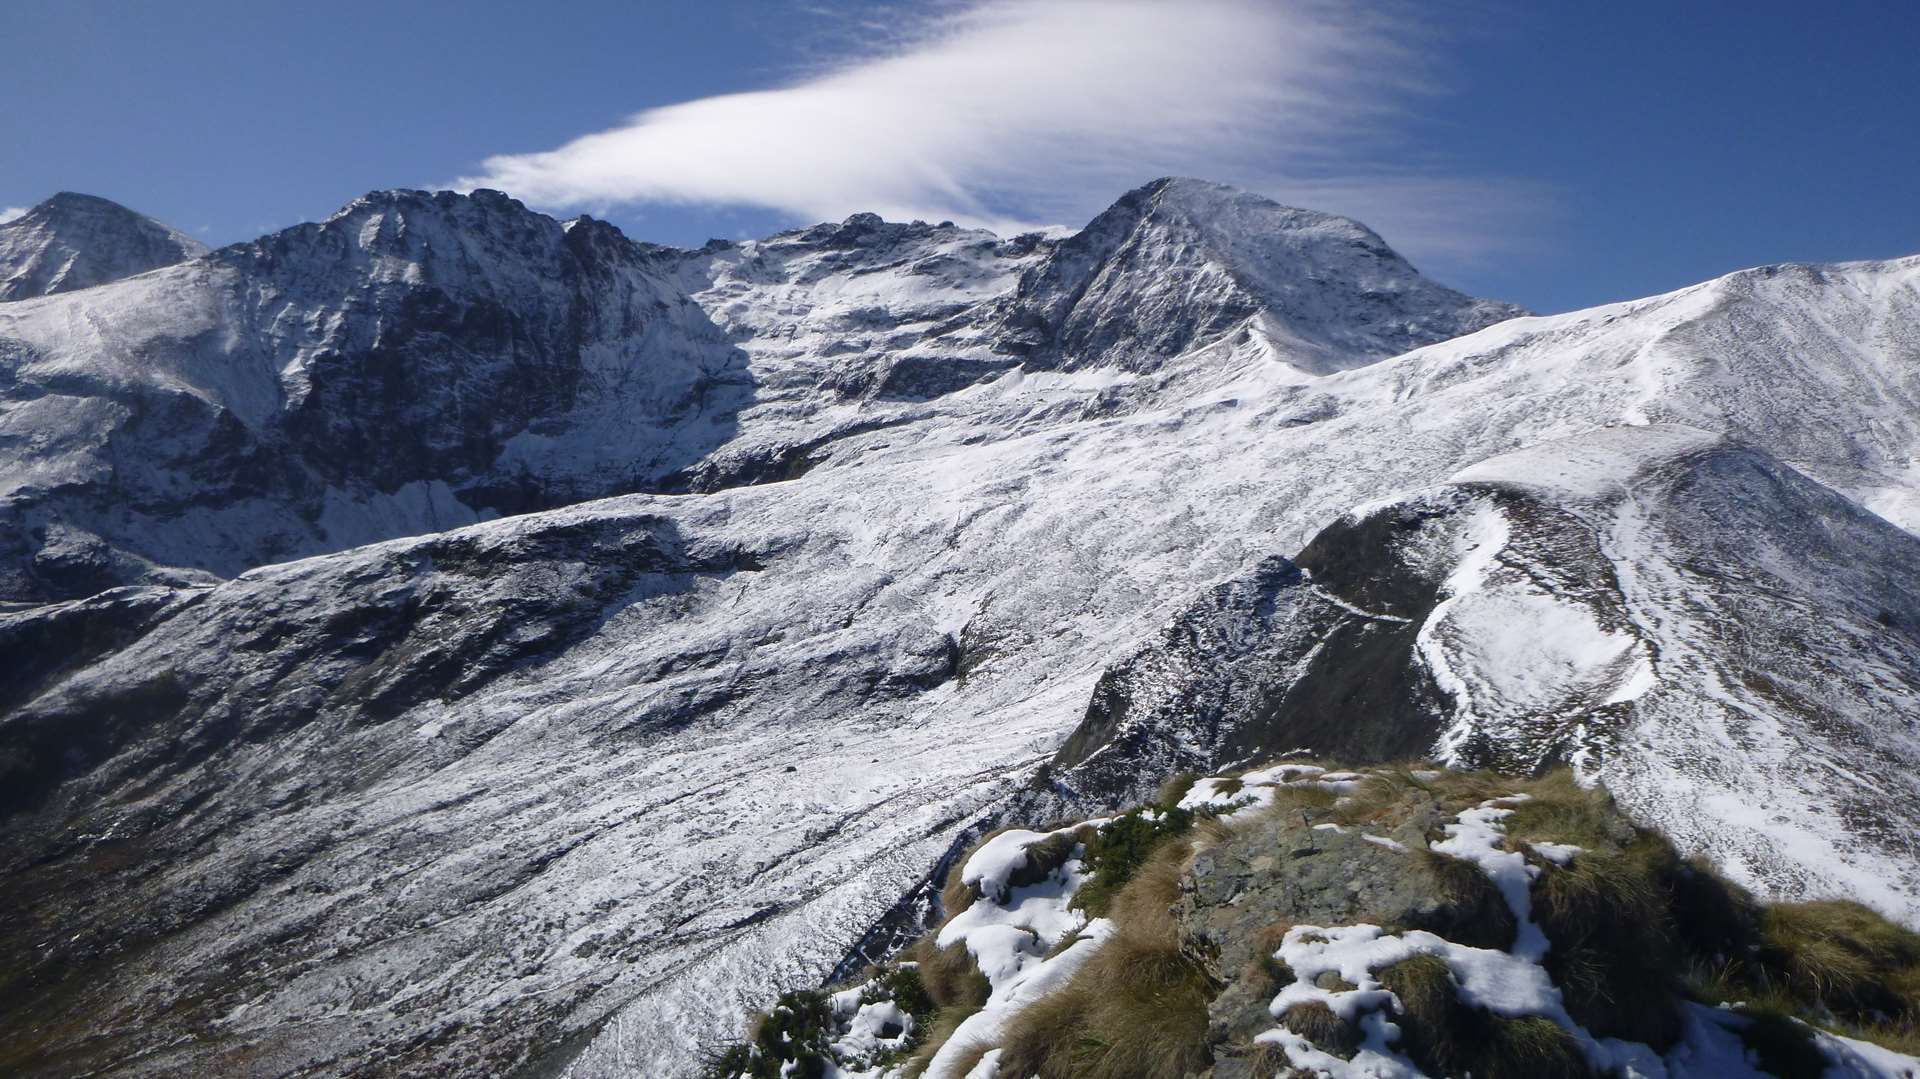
788 1041
1117 851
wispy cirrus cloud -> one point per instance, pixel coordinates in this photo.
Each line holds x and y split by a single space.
1009 113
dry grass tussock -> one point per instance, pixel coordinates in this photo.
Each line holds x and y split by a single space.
1138 1008
1446 1037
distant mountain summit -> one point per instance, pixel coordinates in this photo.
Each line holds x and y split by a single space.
1178 262
74 241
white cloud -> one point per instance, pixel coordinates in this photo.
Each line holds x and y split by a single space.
1010 113
9 213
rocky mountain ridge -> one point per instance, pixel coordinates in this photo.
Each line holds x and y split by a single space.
1399 921
421 361
573 789
74 241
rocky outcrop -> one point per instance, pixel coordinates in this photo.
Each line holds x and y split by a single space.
1401 921
1591 602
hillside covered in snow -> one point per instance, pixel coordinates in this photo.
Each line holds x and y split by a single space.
75 241
447 638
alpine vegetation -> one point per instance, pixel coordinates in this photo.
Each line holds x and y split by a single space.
1396 921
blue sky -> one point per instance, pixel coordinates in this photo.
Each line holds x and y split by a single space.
1553 154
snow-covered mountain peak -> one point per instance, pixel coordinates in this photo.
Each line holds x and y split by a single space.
74 241
1178 263
414 361
449 235
1228 214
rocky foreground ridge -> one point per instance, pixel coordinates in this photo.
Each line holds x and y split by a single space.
1382 922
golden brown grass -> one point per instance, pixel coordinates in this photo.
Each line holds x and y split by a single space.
945 1022
1844 956
1424 985
1609 916
950 975
1137 1009
1446 1037
1043 858
1266 969
1318 1024
958 989
1531 1046
955 896
1174 789
1633 928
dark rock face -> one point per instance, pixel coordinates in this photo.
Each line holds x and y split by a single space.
1316 654
433 622
76 241
1322 654
42 644
472 320
414 362
1241 894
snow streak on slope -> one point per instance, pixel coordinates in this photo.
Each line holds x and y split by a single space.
1783 620
1782 731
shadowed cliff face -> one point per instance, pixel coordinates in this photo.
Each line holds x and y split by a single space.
1317 654
1320 654
415 362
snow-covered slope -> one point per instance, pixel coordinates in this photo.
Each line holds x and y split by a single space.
78 241
849 328
1180 262
582 785
422 361
1732 648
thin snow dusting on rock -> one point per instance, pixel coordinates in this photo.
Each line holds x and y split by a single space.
448 639
74 241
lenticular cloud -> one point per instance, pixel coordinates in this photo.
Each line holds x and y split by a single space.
1005 112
